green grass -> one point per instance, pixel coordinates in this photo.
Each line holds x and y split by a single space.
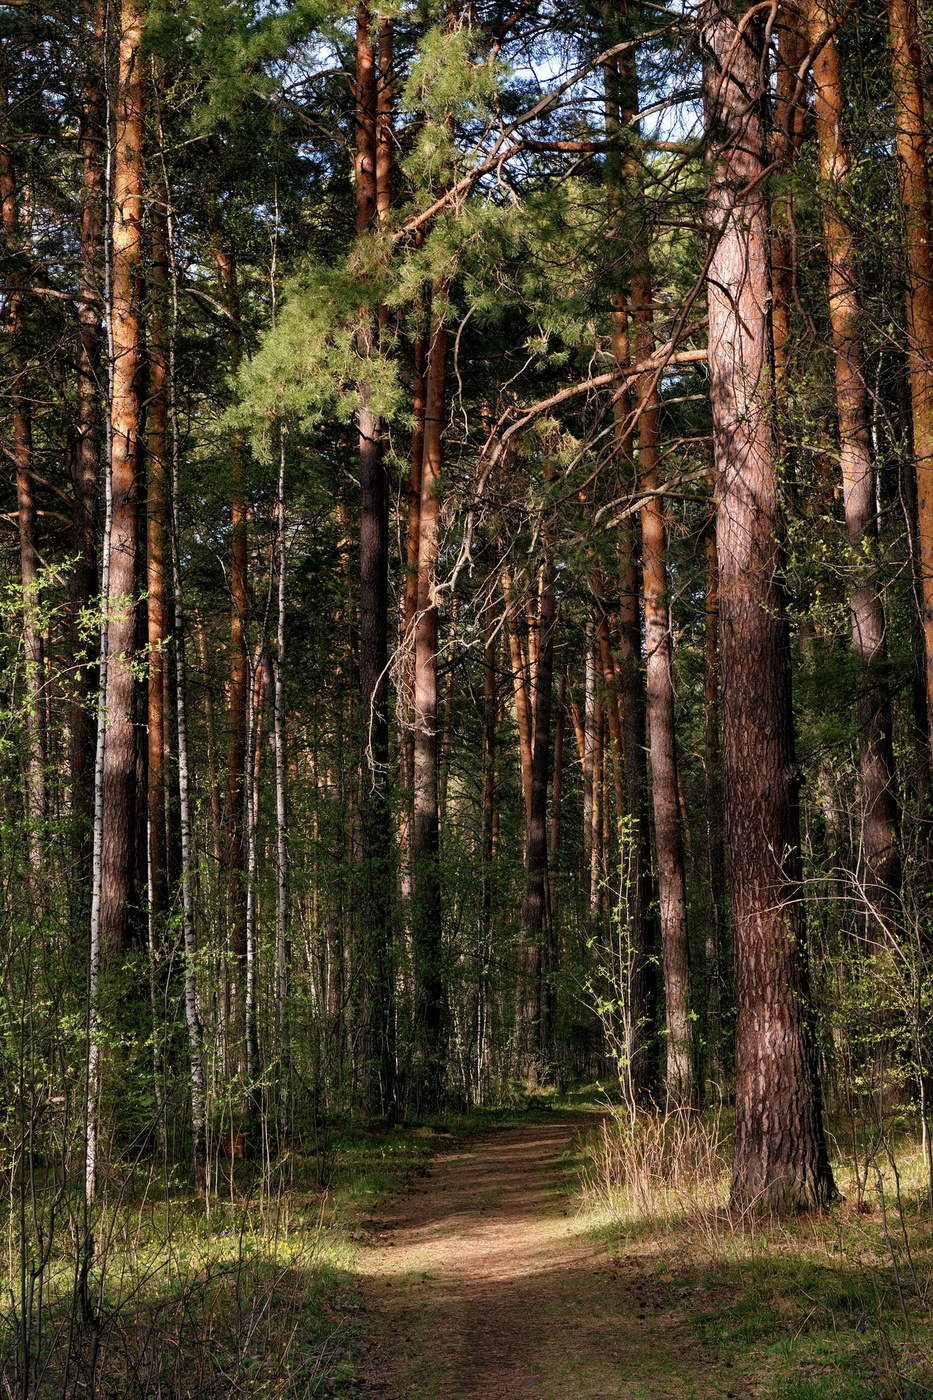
255 1295
835 1306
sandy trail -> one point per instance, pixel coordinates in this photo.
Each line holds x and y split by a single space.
481 1283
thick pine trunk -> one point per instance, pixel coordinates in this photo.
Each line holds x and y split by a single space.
780 1153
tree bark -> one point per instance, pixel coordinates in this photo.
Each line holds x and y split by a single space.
283 958
86 460
21 413
879 846
532 1019
234 817
662 735
405 700
156 585
620 96
789 125
520 689
375 952
119 774
189 929
714 944
780 1152
427 946
488 851
912 146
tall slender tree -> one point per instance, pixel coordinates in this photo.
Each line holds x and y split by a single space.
879 825
372 171
913 149
427 945
126 245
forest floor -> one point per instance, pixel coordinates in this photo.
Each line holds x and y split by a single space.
483 1281
491 1277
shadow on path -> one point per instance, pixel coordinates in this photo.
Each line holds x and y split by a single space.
481 1283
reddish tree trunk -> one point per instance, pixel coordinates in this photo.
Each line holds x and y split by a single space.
714 951
879 824
789 124
913 156
119 774
520 689
34 668
86 460
662 738
426 887
532 1021
780 1151
156 590
374 952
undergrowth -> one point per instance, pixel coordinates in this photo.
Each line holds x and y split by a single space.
832 1306
250 1294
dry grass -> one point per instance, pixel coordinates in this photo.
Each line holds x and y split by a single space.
831 1306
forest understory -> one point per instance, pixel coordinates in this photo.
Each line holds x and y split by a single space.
466 633
548 1250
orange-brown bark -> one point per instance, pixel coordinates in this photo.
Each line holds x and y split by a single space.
879 824
913 157
119 773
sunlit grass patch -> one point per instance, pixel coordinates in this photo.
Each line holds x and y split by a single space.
830 1306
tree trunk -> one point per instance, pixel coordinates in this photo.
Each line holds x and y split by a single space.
119 774
780 1153
912 145
234 843
282 941
532 1019
662 738
426 887
375 951
642 993
156 605
483 972
586 757
189 931
789 124
34 659
519 670
86 460
714 949
879 819
254 745
557 786
405 699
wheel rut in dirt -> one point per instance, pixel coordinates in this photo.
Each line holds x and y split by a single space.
481 1282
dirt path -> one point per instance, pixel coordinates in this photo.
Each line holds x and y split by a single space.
482 1283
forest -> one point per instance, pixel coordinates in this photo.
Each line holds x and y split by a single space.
466 699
